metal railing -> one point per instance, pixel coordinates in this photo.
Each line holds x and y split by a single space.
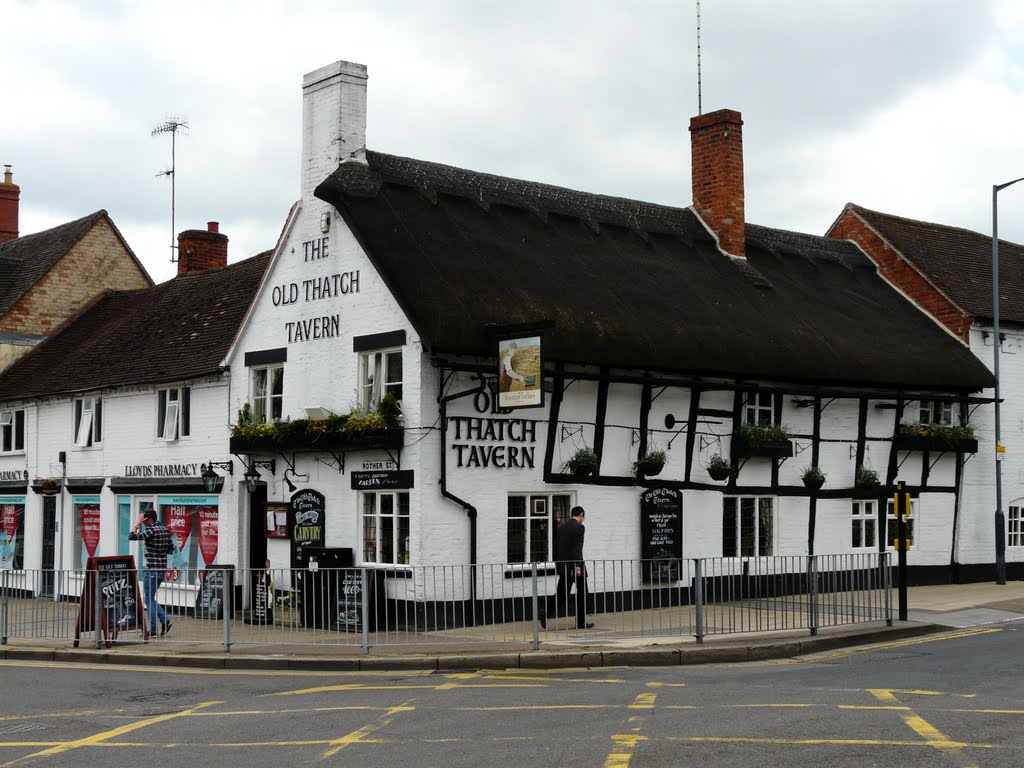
364 607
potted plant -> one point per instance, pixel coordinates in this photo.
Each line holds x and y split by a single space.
582 463
719 468
650 464
770 441
866 478
813 477
936 437
49 486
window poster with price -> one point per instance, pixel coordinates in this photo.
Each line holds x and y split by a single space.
194 523
88 510
12 524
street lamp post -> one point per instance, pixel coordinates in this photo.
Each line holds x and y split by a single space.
1000 517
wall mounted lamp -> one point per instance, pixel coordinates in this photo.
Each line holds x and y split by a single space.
210 477
252 474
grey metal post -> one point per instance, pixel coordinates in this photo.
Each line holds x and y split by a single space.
229 608
812 593
97 608
536 607
883 566
698 598
365 609
1000 520
3 607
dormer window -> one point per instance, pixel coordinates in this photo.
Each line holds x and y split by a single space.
759 408
934 412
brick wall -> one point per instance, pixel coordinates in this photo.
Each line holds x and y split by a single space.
96 263
902 274
716 168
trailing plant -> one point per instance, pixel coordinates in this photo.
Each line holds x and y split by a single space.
948 433
812 472
49 484
866 478
720 468
388 415
755 434
583 462
651 463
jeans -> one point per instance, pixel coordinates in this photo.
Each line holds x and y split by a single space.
151 583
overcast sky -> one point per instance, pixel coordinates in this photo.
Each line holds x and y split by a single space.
914 107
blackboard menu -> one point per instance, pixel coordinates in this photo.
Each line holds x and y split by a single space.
385 479
210 598
661 534
307 518
120 601
350 599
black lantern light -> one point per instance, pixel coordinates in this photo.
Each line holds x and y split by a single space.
252 474
210 477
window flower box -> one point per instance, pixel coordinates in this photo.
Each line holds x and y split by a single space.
935 443
766 441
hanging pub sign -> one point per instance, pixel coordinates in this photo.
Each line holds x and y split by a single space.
661 535
520 382
306 517
383 480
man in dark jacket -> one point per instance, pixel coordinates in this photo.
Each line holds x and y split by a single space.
572 570
158 543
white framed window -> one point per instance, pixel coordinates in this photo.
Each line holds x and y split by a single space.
88 421
172 413
268 393
379 372
934 412
748 526
532 520
892 528
12 431
759 408
386 527
1015 525
864 526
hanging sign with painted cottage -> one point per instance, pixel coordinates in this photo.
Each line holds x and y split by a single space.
520 382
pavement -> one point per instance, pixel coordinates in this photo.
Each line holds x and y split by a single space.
932 610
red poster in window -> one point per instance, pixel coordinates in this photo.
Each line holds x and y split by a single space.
90 527
209 531
9 514
179 523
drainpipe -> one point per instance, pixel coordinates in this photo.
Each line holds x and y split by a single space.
470 509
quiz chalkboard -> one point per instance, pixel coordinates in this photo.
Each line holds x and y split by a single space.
120 606
210 598
661 534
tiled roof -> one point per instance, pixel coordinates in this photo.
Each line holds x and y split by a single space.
24 260
957 261
633 284
174 331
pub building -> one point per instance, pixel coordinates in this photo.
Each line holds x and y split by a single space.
546 348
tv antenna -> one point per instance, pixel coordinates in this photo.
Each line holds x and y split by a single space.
173 126
699 112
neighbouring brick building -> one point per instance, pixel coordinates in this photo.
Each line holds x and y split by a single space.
47 277
947 272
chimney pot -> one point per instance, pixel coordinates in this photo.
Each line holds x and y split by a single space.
9 196
716 148
213 226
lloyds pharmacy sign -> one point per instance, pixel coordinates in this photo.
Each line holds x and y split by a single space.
161 470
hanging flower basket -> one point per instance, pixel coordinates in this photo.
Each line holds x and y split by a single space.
719 468
650 464
813 478
583 463
49 486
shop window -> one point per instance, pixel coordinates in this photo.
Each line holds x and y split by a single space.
86 517
267 393
386 527
759 408
864 526
934 412
172 413
194 523
532 520
12 533
380 372
892 529
88 421
12 431
1015 525
748 526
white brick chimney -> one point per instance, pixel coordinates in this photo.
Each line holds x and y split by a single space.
333 121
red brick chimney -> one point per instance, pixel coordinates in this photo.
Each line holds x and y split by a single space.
716 168
199 249
9 194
